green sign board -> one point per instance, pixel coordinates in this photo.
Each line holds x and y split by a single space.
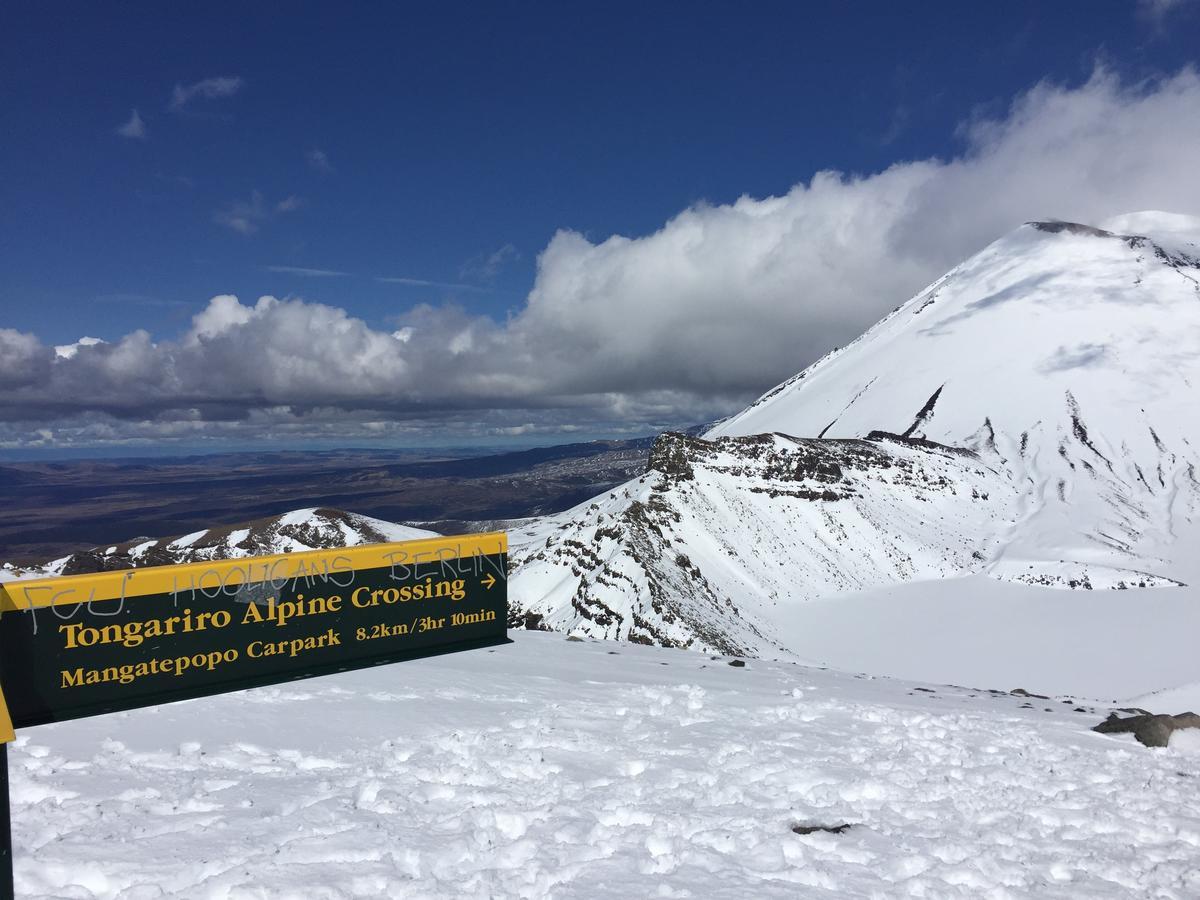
89 644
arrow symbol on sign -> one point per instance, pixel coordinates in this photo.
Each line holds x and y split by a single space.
488 581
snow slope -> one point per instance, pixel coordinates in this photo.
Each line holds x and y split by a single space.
1045 393
551 768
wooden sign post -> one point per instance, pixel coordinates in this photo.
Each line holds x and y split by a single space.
85 645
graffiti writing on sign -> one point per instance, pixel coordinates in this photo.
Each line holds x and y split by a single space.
80 645
248 580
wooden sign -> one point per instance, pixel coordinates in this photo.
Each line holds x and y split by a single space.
90 644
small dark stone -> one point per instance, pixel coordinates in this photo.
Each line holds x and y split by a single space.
529 621
574 637
831 829
1021 692
738 663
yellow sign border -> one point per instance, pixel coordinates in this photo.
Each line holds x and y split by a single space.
7 735
74 589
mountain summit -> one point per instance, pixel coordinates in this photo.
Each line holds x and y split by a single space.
1030 417
1066 355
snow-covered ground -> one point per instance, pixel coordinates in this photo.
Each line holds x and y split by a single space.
1134 646
558 768
1111 645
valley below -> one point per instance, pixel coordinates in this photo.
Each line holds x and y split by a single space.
55 508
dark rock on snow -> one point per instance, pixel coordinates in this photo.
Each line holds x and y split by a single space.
1151 730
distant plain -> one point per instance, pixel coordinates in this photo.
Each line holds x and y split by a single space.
55 508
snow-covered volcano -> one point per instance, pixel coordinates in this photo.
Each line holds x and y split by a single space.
1031 418
1068 355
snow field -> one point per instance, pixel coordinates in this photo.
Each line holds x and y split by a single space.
1107 645
588 769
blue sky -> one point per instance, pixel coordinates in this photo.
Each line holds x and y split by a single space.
443 147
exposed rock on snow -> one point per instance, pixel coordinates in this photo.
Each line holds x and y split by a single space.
828 829
697 552
1150 729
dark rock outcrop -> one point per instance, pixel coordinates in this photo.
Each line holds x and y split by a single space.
1150 729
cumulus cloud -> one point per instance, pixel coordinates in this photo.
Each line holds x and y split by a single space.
66 351
135 128
205 89
739 296
680 325
24 361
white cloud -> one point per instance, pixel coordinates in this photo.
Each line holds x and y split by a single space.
222 315
206 89
421 282
66 351
743 295
679 325
291 203
487 266
248 216
135 128
24 361
244 217
1156 11
306 273
318 160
